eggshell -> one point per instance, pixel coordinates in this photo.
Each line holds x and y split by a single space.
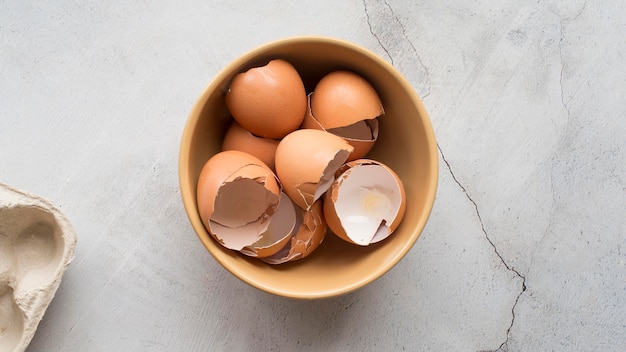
361 135
237 194
306 161
269 101
343 98
238 138
310 231
279 232
366 203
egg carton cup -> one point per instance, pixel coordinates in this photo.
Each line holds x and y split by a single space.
36 246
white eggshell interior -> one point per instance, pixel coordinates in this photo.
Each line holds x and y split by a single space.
282 255
242 212
281 225
368 199
328 176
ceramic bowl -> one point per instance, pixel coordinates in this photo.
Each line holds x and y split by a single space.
406 143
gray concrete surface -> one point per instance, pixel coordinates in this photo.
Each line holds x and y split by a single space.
526 246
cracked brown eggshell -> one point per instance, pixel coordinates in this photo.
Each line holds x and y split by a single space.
306 161
342 98
281 227
361 135
346 104
239 138
269 100
237 194
309 233
366 202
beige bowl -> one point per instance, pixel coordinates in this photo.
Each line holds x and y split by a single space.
406 143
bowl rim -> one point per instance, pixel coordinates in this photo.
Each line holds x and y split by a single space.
193 118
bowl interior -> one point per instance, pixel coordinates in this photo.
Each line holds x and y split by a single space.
406 143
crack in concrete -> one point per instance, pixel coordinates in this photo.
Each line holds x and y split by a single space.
568 117
564 138
569 113
380 41
503 347
562 20
369 25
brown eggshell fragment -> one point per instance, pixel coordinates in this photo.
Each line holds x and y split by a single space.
237 194
306 161
279 232
238 138
361 135
311 230
269 101
366 203
343 98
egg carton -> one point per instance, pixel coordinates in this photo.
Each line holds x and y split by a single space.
36 246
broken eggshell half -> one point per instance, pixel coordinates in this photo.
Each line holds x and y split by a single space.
36 246
278 233
306 161
237 196
269 100
366 203
238 138
361 135
347 105
310 230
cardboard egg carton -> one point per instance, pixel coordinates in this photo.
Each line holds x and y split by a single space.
36 246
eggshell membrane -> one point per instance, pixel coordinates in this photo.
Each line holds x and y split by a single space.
342 98
310 232
369 179
239 138
269 101
279 232
238 182
362 141
306 161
